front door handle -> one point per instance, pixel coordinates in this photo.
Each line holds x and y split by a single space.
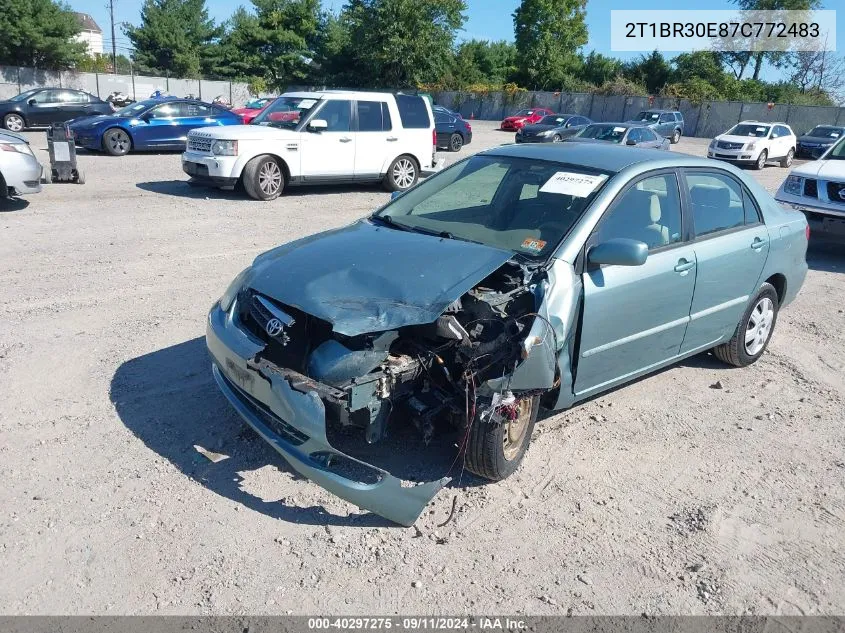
345 139
683 265
758 243
392 138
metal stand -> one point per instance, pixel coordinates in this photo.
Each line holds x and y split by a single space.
63 155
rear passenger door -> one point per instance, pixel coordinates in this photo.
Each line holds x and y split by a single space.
635 317
666 124
374 139
731 246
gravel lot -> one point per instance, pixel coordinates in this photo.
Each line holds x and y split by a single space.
666 496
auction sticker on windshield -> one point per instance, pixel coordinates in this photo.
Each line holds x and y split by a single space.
532 244
572 184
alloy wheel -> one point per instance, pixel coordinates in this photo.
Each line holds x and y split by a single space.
14 123
404 173
512 438
759 326
270 177
456 143
556 138
119 142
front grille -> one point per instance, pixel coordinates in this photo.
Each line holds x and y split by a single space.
836 192
199 143
290 346
729 145
729 156
811 188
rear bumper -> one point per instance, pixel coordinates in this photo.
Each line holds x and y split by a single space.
822 220
436 165
285 409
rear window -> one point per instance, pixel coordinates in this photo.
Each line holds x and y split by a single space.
412 112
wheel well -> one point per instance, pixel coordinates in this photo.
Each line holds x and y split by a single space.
117 127
778 281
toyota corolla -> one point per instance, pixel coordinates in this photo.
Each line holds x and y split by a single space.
526 276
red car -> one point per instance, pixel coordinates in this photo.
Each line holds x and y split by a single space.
252 108
524 117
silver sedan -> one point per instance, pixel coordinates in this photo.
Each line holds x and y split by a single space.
20 171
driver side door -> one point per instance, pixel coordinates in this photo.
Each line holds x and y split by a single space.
635 317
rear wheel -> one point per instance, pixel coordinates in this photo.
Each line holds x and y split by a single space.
557 138
263 178
117 142
786 161
456 142
754 330
676 136
14 122
761 161
402 174
495 447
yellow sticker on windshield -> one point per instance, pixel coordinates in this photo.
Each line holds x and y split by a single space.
531 244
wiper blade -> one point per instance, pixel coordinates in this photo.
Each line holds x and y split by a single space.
386 220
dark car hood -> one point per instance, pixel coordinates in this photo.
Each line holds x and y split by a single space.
368 278
536 128
817 139
95 119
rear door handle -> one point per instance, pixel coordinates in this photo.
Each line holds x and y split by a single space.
392 138
758 243
345 139
683 265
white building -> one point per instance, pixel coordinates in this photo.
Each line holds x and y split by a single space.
90 33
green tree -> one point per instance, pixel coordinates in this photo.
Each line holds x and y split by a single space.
39 33
548 34
395 43
652 70
598 69
483 62
175 37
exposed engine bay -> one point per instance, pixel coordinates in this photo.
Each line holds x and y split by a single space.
429 374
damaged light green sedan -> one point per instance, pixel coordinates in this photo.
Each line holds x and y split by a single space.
524 276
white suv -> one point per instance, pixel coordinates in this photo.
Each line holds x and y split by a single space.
305 138
755 143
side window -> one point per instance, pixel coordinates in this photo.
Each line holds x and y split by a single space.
634 135
369 116
386 122
195 109
46 96
650 212
776 131
752 214
412 112
165 111
646 135
716 202
679 116
71 96
337 114
665 118
439 117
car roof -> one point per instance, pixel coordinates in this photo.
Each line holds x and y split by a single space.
606 157
625 124
755 121
350 94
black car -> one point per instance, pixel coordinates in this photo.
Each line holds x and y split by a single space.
452 131
816 142
43 106
552 128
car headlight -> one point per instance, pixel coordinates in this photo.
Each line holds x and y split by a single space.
547 133
793 185
224 148
712 144
228 297
519 131
751 146
20 148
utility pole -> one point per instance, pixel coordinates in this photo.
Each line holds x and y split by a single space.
113 42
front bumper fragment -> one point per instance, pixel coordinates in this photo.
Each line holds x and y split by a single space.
285 409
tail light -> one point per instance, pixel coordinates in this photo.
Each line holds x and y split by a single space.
434 137
807 232
469 128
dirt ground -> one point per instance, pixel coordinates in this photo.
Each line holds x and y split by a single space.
666 496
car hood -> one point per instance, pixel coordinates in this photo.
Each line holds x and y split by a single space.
536 128
732 138
11 137
245 110
366 278
245 132
824 169
826 140
514 119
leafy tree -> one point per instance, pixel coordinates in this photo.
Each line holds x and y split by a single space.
39 33
395 43
598 69
102 64
482 62
653 71
703 65
174 37
548 34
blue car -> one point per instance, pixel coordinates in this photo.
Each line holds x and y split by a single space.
148 125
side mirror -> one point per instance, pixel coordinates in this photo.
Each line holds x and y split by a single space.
619 252
630 141
32 102
318 125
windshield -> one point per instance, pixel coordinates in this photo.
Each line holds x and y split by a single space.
552 120
525 206
749 129
836 152
24 95
285 112
826 130
524 113
611 133
134 109
648 116
257 104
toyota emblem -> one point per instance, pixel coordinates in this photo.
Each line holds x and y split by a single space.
274 327
842 193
